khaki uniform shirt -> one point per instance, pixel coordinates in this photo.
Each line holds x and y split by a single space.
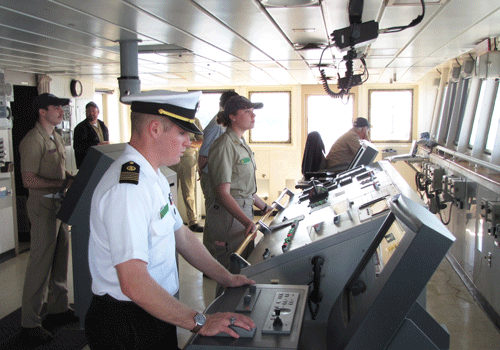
343 150
192 151
230 160
44 155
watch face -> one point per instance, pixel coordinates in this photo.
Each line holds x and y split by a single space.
200 319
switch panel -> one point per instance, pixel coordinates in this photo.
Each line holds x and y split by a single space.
436 176
458 189
490 210
283 307
494 215
248 300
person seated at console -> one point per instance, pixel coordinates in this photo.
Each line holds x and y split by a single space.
345 148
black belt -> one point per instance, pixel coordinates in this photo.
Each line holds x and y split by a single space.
108 298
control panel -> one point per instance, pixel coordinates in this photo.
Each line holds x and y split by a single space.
277 311
327 208
490 211
281 313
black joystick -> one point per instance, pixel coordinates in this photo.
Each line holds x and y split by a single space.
277 321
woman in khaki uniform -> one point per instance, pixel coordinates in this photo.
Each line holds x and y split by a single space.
231 168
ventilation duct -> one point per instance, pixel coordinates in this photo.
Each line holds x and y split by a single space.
129 82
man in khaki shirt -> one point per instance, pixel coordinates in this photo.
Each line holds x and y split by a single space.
43 171
186 176
347 145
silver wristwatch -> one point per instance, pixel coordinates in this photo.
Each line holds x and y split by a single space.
199 320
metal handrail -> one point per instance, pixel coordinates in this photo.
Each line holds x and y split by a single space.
469 158
235 257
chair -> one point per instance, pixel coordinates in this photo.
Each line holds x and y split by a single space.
314 153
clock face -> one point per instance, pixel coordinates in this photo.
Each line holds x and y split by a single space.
76 88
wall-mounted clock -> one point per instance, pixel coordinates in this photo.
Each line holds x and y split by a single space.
76 88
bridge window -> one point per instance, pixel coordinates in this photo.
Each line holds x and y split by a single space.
447 111
391 115
209 106
493 130
478 113
272 124
331 117
463 104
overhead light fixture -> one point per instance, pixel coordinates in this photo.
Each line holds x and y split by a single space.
309 46
413 2
304 30
104 91
164 48
324 65
289 3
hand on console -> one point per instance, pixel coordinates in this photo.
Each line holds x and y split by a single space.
221 322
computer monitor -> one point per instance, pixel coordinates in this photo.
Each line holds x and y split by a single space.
365 156
378 309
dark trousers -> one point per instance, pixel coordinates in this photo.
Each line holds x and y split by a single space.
123 325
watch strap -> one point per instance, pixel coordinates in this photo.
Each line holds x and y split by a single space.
199 320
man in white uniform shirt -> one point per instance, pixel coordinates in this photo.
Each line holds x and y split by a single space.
135 231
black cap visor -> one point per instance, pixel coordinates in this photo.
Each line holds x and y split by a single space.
183 117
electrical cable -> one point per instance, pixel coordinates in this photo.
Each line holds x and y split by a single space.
449 216
413 23
418 183
344 84
428 194
315 296
365 71
314 312
324 78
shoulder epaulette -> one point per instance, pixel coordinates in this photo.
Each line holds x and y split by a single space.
130 173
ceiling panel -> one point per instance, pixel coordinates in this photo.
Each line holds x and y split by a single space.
146 23
401 16
455 18
231 42
55 46
301 25
247 20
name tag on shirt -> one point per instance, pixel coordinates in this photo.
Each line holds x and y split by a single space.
245 161
164 211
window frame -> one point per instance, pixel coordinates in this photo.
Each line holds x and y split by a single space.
496 99
446 113
287 142
454 131
214 91
479 146
412 91
351 97
479 104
